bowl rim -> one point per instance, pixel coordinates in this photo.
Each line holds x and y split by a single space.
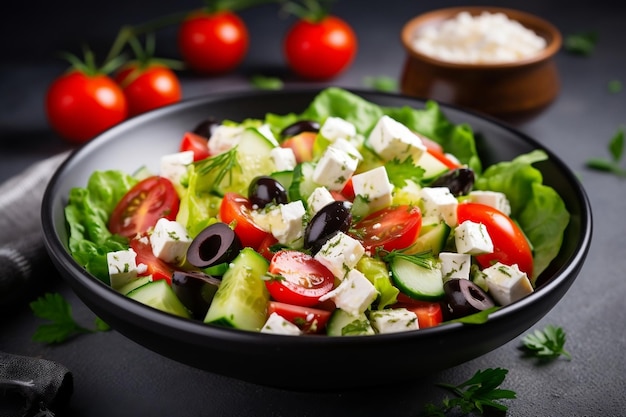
199 332
528 20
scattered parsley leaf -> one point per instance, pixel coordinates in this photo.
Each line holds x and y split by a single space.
616 150
615 86
477 393
616 145
581 43
401 172
263 82
54 308
381 83
546 344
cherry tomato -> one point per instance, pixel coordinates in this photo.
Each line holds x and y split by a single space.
236 209
429 313
148 88
301 145
143 205
509 242
265 247
348 190
322 49
391 228
196 143
308 319
436 150
80 106
213 43
301 279
156 267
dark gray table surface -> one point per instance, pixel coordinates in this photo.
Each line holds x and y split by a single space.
116 377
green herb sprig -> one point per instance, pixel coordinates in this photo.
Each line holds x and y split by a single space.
616 150
547 344
581 43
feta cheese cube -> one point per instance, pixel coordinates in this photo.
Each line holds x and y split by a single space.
169 241
455 265
276 324
374 187
493 199
507 284
334 168
393 140
319 198
336 127
343 145
283 158
283 221
394 320
340 254
441 203
174 166
224 138
354 294
472 238
122 267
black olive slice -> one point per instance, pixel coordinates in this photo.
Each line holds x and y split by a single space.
206 128
195 290
216 244
299 127
463 297
459 181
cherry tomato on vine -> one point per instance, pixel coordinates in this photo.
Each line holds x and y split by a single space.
148 87
213 42
79 106
321 49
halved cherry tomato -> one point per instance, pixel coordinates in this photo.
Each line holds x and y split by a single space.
300 278
143 205
196 143
236 209
156 267
429 313
265 247
509 242
301 145
308 319
148 87
436 150
391 228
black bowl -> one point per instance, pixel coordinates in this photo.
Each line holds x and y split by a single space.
337 362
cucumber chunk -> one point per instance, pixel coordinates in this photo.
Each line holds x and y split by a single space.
302 185
432 166
434 240
158 294
417 281
345 324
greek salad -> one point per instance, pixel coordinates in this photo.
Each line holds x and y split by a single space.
346 219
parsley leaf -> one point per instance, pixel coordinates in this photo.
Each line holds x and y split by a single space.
477 393
581 43
616 150
263 82
381 83
401 172
615 86
546 344
54 308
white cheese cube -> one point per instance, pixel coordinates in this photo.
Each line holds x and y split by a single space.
507 284
174 166
493 199
343 145
340 254
319 198
283 158
336 127
472 238
393 320
374 187
169 241
455 265
276 324
122 267
354 294
284 221
334 169
393 140
439 202
224 138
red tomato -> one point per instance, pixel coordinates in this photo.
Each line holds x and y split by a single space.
236 209
429 313
148 88
348 190
80 106
143 205
320 50
436 150
156 267
266 244
309 320
509 242
391 228
302 279
301 145
196 143
213 43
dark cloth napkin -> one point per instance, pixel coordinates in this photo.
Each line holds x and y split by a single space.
28 386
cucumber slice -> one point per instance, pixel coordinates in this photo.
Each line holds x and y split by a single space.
241 300
285 178
416 281
432 166
302 185
158 294
434 239
136 283
345 324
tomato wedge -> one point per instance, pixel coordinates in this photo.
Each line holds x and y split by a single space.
199 145
300 279
235 209
308 319
509 242
143 205
391 228
156 267
301 145
429 313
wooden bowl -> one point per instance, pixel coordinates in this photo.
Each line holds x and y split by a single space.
512 91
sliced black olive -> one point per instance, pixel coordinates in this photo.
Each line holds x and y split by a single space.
331 219
264 190
299 127
206 128
216 244
463 297
195 290
460 181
